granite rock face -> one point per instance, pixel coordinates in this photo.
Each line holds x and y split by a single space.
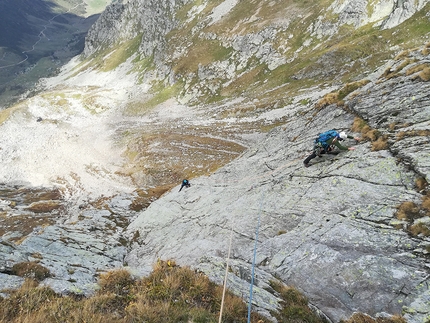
329 229
75 250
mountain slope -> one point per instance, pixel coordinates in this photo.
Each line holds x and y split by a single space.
247 48
230 94
36 38
333 229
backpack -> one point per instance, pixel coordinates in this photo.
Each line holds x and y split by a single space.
321 140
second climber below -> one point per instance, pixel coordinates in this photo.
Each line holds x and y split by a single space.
326 142
185 183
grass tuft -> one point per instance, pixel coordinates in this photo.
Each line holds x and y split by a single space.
422 71
364 318
426 203
419 228
118 282
413 133
31 270
328 99
381 143
351 87
295 306
412 213
408 211
421 184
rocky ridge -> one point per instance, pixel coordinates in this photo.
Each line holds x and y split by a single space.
255 39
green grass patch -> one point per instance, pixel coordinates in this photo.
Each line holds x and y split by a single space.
363 48
165 93
182 13
144 63
122 52
108 59
204 52
161 93
242 10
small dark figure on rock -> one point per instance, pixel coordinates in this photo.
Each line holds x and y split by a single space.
185 183
327 142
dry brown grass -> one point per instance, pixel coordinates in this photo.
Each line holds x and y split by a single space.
371 134
163 158
117 282
364 318
351 87
170 294
378 140
421 183
44 206
408 211
294 306
402 55
31 270
419 229
358 124
389 73
24 224
412 133
146 197
392 126
426 203
380 144
328 99
418 68
424 75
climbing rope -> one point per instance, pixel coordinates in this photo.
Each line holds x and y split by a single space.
253 260
225 277
253 265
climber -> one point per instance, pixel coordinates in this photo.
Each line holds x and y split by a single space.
185 183
326 143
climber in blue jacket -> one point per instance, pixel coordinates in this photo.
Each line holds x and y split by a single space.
185 183
326 142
